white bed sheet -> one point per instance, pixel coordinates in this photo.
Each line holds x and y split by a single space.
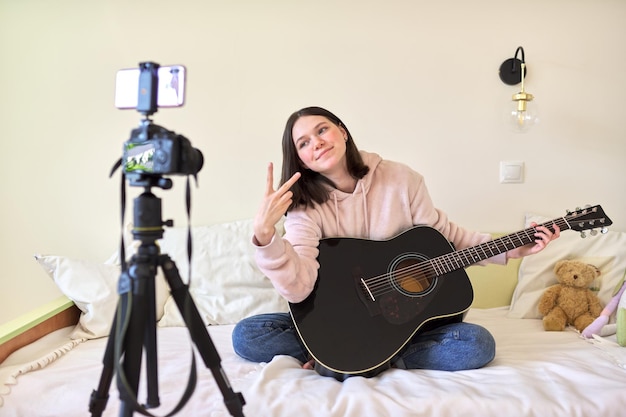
535 373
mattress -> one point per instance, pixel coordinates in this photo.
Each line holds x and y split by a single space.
535 373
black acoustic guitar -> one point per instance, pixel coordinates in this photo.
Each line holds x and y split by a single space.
372 297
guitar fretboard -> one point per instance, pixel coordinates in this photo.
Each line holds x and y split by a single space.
460 259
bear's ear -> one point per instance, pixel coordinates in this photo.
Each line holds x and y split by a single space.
559 264
596 269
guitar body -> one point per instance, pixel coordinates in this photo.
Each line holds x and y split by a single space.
372 297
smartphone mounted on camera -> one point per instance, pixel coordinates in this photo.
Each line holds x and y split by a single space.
170 86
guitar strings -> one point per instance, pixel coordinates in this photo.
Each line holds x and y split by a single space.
379 285
423 272
427 270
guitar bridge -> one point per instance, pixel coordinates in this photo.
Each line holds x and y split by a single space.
367 289
365 295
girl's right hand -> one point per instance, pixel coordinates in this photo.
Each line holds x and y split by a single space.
274 205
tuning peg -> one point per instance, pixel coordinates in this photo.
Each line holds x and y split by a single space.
593 232
604 230
583 235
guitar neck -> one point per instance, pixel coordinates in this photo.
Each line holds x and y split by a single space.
579 220
463 258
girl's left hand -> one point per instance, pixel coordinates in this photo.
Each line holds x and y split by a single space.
543 236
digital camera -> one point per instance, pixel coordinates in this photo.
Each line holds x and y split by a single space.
153 149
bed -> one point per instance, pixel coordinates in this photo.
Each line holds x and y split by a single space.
535 373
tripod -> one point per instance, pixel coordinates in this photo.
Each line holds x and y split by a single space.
134 324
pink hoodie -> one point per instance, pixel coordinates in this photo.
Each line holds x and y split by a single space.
390 199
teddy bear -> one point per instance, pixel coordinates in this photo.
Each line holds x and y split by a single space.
570 302
617 305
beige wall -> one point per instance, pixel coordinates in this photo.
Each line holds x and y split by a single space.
416 81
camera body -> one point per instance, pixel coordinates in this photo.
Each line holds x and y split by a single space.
154 150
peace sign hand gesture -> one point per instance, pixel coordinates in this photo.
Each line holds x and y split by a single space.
274 205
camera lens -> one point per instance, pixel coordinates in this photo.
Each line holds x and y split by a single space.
196 160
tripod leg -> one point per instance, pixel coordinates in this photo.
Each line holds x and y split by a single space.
132 331
141 333
150 344
125 341
128 381
99 397
234 401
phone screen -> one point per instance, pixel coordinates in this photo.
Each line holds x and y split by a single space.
171 89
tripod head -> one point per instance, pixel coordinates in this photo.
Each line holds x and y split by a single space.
147 221
149 181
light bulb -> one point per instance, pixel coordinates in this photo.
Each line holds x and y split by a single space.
522 114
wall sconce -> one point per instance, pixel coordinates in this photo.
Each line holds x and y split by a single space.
521 116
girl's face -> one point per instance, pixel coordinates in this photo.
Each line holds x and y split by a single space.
321 144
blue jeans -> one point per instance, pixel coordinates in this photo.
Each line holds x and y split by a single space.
450 347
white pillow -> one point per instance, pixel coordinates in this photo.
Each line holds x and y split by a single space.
91 286
605 251
226 285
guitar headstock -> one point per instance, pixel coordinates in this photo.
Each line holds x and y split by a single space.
588 218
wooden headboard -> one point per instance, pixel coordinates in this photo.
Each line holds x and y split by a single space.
52 316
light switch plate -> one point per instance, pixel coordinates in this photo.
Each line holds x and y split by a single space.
511 172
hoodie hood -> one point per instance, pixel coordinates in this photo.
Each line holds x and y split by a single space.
347 204
372 160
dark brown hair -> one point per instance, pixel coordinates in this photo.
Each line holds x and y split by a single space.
312 186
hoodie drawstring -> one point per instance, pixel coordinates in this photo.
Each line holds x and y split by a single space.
336 211
365 214
365 211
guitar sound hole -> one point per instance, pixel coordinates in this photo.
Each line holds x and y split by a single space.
410 276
